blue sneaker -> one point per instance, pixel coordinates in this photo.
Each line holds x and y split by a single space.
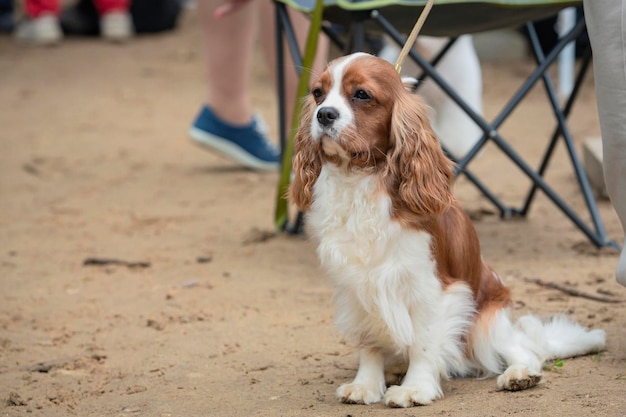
246 144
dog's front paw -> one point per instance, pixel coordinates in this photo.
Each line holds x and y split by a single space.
399 396
517 378
359 394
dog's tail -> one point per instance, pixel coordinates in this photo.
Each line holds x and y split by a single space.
560 337
498 343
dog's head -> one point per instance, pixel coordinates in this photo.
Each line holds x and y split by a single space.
359 115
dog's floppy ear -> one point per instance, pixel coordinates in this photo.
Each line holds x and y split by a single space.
307 163
421 171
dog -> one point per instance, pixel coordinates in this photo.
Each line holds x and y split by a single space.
411 287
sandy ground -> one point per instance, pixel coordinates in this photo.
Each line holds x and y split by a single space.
211 320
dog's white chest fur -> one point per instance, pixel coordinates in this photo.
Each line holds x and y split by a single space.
380 270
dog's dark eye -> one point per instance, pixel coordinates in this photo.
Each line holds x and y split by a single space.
362 95
317 92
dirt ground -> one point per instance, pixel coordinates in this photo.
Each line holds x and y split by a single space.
203 316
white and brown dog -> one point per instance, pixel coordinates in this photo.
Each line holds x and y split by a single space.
411 286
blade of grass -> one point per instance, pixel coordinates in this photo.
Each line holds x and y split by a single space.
281 215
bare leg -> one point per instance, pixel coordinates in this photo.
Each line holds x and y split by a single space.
228 45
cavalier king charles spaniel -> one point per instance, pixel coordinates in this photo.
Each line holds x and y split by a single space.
411 288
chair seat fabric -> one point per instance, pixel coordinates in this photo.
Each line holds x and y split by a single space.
447 17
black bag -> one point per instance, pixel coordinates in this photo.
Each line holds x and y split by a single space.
149 16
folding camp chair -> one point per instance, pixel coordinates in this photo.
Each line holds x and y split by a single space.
452 18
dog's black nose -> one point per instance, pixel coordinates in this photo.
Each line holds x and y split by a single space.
327 115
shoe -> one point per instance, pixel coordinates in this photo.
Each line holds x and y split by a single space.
246 144
116 26
42 30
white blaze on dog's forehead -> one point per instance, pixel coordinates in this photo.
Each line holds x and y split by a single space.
339 65
337 70
335 98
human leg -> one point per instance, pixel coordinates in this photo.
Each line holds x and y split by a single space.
42 24
606 24
115 21
228 45
35 8
226 123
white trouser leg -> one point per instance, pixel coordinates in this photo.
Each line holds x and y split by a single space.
606 23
